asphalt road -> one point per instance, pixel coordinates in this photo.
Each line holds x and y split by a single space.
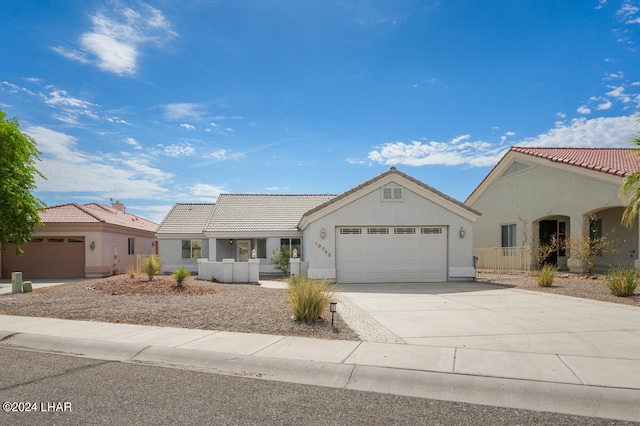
46 388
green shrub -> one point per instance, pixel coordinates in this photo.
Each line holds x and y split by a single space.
547 275
180 274
151 265
280 261
622 280
308 297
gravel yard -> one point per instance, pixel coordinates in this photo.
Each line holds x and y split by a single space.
565 284
200 304
230 307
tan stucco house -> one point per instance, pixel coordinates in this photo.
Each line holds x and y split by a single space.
535 193
82 241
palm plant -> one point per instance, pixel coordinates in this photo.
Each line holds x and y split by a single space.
630 189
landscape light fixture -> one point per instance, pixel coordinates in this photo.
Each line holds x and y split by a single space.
332 308
461 232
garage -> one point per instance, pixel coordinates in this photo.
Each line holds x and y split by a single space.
391 254
46 257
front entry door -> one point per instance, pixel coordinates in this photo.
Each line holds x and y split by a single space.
549 229
243 250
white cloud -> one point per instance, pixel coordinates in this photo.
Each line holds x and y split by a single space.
561 114
115 40
188 126
223 155
618 93
604 106
584 110
134 143
598 132
206 193
183 110
450 153
184 150
579 132
68 169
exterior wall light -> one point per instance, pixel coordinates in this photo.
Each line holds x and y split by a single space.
462 232
230 241
323 233
294 254
253 254
92 246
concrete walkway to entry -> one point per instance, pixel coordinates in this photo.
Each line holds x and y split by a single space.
466 342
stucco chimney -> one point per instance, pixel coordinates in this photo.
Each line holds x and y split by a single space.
118 206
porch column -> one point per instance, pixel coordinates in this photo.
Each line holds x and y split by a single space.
576 232
212 249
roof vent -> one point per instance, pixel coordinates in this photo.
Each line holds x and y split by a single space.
393 167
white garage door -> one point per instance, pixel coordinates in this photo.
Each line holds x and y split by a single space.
391 254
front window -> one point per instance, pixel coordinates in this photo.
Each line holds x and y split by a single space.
191 249
261 248
508 235
130 246
288 244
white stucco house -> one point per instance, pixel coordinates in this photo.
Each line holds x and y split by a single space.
391 228
534 193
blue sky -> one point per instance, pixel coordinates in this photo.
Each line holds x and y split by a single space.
158 102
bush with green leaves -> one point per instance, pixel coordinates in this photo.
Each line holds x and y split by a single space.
280 261
547 275
308 298
151 265
622 280
180 274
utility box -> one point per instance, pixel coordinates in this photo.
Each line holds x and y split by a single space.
16 282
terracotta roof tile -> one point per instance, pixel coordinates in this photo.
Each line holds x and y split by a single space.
614 161
94 213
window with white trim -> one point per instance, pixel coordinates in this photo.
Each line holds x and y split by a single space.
350 231
377 231
191 249
404 231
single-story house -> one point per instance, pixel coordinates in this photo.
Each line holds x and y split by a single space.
572 194
82 241
392 228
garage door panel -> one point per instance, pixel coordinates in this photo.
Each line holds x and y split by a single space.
402 254
47 257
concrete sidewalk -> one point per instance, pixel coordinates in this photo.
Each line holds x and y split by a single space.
582 385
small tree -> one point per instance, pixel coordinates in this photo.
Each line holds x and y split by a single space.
19 209
280 261
586 249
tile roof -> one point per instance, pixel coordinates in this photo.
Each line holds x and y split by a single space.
94 213
254 212
186 219
614 161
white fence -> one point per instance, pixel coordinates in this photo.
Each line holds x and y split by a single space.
504 259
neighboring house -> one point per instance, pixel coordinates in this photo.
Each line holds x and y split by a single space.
533 194
82 241
392 228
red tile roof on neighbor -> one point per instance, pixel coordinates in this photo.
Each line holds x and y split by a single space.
614 161
94 213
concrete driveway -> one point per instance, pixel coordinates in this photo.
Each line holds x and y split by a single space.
492 318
